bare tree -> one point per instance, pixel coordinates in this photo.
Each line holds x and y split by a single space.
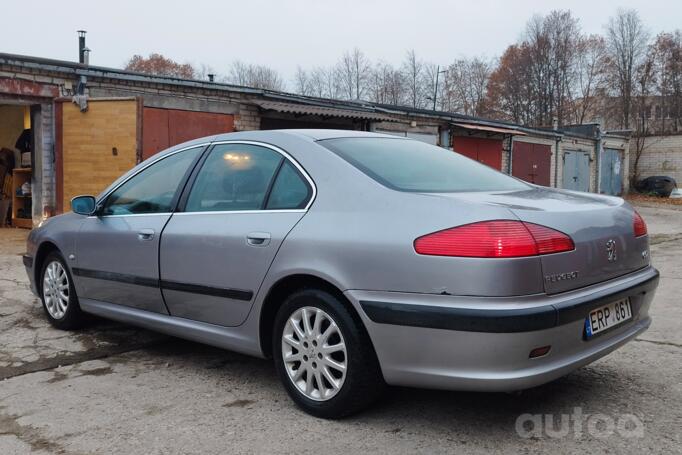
626 40
325 82
302 83
256 76
202 72
589 81
551 41
413 74
354 72
666 52
467 82
385 84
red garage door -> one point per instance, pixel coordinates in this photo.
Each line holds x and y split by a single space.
487 151
531 162
163 128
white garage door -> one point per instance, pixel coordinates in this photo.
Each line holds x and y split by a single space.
422 137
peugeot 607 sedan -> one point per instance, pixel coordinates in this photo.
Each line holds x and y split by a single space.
355 260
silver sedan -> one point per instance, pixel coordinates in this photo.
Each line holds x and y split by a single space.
355 260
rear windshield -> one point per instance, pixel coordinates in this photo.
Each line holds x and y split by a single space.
408 165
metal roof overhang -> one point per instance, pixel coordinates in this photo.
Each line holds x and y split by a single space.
307 109
490 129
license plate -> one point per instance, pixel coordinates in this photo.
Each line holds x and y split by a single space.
611 315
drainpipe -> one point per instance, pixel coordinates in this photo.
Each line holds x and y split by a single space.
510 154
597 156
557 140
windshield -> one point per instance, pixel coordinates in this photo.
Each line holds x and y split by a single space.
408 165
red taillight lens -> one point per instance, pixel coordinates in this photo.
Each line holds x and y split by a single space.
639 225
494 239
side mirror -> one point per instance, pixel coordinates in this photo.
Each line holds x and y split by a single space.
83 205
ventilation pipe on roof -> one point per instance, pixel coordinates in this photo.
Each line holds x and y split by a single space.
211 77
81 46
80 98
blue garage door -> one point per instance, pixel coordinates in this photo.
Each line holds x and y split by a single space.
576 174
611 172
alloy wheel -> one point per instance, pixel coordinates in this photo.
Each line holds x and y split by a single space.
314 353
56 289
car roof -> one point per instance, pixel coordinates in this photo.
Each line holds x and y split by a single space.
310 134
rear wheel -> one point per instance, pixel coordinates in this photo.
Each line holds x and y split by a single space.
324 356
59 295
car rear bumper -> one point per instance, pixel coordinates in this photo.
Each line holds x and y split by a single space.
479 343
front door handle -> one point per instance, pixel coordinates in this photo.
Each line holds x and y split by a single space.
258 239
145 234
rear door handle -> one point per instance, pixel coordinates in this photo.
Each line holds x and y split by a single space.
258 239
145 234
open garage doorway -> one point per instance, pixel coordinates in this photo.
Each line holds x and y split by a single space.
17 157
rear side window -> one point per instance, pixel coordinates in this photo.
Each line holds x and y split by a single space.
408 165
290 190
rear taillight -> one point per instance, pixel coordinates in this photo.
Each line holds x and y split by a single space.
639 225
494 239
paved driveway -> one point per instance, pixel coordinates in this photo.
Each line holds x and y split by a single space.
117 389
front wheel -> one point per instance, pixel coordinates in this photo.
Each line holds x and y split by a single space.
59 294
324 356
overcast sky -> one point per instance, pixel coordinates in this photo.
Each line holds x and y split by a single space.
287 33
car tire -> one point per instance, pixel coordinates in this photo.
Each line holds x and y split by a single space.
315 353
58 294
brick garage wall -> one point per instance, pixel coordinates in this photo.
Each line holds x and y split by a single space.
662 155
88 162
507 144
46 147
248 118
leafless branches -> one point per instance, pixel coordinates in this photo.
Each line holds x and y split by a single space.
626 40
256 76
554 73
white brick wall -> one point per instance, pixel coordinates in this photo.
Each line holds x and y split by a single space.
247 119
48 165
662 155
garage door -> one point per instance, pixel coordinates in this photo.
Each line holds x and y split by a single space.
427 138
93 148
532 162
163 128
576 175
424 137
486 151
611 172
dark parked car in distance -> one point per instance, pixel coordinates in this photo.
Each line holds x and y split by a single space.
660 185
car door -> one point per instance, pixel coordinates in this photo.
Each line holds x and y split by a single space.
117 251
240 204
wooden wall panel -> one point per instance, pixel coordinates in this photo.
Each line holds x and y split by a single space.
97 146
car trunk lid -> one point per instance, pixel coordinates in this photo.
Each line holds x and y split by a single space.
601 228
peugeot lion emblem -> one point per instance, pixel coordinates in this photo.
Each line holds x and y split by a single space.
611 250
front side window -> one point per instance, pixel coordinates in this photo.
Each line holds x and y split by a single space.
408 165
234 177
153 189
